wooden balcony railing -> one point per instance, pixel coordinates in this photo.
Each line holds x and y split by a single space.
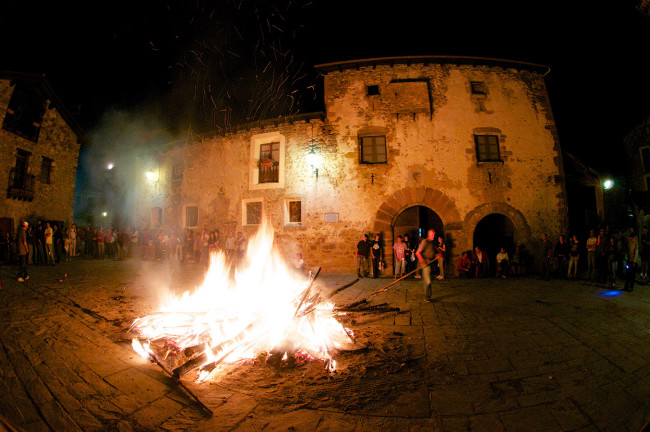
21 185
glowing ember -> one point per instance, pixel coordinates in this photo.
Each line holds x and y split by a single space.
265 310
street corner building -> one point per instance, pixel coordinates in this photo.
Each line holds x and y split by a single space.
39 151
467 146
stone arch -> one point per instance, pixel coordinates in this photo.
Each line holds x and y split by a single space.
522 230
412 196
402 199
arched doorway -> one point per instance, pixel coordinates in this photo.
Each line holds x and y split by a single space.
493 232
415 222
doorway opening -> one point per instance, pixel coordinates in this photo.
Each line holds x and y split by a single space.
493 232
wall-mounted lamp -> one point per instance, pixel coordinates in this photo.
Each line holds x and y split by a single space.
314 159
152 176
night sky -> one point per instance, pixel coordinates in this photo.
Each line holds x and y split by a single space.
214 63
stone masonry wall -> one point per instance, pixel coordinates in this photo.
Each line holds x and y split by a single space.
57 142
431 161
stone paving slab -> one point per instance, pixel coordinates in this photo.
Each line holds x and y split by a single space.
497 355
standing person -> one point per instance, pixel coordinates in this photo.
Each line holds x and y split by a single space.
376 253
30 243
363 254
441 251
502 263
23 250
100 243
612 255
135 242
400 259
621 246
230 245
241 248
409 259
39 241
592 242
632 257
644 252
480 262
601 257
49 243
72 235
205 247
57 237
574 255
67 244
426 253
546 253
562 256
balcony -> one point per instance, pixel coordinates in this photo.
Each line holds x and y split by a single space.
21 185
269 174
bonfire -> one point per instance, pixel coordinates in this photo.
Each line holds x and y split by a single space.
262 310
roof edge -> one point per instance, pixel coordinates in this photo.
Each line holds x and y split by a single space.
441 59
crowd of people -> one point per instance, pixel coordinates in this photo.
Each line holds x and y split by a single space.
609 257
49 243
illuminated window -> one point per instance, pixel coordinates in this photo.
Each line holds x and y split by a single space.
645 158
373 90
487 148
269 162
24 114
46 170
191 216
372 149
267 152
293 212
252 211
478 87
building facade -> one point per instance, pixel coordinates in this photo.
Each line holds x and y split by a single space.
637 148
467 146
39 151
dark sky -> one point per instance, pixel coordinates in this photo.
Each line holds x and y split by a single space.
149 56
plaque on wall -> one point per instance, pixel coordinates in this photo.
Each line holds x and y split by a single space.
331 217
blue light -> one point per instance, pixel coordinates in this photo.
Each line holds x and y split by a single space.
611 293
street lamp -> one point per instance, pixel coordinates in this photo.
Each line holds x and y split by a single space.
104 214
608 184
151 176
110 166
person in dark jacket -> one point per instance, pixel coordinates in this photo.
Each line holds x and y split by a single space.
363 254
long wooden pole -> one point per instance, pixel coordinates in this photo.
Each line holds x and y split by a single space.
403 277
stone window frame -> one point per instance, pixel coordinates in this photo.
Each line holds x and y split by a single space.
47 170
361 146
287 212
254 171
646 169
244 212
478 88
25 112
477 137
186 218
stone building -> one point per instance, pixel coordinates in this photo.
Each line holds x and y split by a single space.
39 149
467 146
637 148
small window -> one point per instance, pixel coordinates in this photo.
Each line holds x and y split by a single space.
191 216
645 158
373 90
252 212
293 212
478 88
46 170
156 217
373 149
177 171
487 148
24 113
269 162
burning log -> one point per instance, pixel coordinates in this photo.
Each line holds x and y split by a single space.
149 355
339 289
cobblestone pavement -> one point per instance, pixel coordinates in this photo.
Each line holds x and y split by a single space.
513 355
